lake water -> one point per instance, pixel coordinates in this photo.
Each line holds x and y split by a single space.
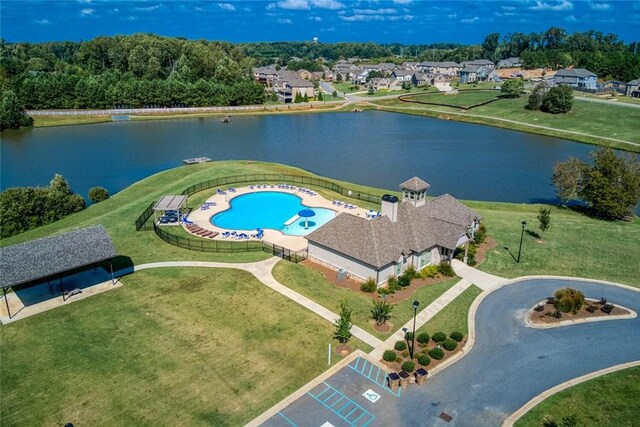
372 148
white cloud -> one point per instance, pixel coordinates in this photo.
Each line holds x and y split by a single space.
469 20
373 11
509 8
328 29
315 18
293 4
227 6
85 1
42 21
271 6
452 16
600 6
148 8
116 10
570 18
284 21
327 4
362 18
87 12
402 1
555 6
131 18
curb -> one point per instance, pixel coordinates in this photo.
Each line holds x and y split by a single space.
511 419
527 320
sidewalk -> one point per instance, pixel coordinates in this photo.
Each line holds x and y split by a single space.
484 281
423 317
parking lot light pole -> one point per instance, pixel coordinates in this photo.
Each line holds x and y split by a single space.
524 225
413 335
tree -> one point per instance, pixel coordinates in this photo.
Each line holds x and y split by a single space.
334 94
558 100
12 114
535 99
512 88
320 97
339 78
370 91
406 85
343 324
490 44
567 177
305 98
544 219
98 194
381 312
611 187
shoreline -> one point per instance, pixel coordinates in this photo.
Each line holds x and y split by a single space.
347 106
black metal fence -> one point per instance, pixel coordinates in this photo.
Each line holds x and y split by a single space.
141 221
222 246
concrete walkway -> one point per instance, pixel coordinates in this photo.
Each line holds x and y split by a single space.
423 317
484 281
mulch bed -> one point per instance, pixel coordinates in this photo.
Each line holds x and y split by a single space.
385 327
353 284
545 317
486 246
343 350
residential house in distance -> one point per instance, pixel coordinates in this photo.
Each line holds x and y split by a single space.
265 75
473 74
288 88
512 62
633 88
578 78
405 76
385 83
414 232
480 63
449 69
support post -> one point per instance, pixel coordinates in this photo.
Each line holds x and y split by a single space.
466 252
4 292
62 290
113 282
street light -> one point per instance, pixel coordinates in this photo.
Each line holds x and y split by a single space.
413 335
524 225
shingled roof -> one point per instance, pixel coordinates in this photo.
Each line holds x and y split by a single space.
45 257
415 184
441 221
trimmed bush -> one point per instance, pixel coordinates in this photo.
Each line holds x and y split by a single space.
423 338
449 344
408 366
389 355
446 270
457 336
436 353
400 345
404 281
398 359
369 286
408 336
439 337
423 360
569 299
429 271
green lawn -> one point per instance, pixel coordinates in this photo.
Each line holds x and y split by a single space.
171 347
413 90
575 245
595 121
454 316
345 87
462 99
46 121
609 400
312 284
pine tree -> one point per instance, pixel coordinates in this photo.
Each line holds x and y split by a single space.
544 219
343 324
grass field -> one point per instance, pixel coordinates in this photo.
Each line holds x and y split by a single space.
312 284
47 121
609 400
171 347
345 87
461 99
454 316
592 122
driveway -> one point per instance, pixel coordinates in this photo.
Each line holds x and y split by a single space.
509 364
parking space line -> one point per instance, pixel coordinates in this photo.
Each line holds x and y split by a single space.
287 419
381 383
334 406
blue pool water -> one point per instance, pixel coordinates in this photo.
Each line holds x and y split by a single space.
270 209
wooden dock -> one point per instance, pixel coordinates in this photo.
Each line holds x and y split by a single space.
196 160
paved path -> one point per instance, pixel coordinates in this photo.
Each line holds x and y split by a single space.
423 317
262 270
484 281
605 101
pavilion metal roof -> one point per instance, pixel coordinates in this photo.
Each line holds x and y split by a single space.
170 203
46 257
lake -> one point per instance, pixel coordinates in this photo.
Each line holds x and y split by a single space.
371 148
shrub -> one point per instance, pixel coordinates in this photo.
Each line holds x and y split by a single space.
569 299
408 366
429 271
410 273
404 281
439 337
398 359
400 345
480 234
385 291
381 312
392 283
436 353
423 360
98 194
369 286
446 270
457 336
449 344
423 338
408 336
557 100
405 353
389 355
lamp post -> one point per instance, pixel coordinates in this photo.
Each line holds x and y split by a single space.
524 225
413 335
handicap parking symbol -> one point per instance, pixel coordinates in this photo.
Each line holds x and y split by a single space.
371 396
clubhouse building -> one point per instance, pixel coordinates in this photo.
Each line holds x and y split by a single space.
415 232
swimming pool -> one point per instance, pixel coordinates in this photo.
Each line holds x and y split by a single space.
270 209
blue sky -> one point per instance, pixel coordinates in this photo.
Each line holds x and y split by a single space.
382 21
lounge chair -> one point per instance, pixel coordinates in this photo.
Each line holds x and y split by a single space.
233 190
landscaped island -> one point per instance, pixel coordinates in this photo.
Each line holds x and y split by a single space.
191 345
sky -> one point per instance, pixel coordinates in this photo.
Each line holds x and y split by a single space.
380 21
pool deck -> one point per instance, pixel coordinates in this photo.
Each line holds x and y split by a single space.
295 243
